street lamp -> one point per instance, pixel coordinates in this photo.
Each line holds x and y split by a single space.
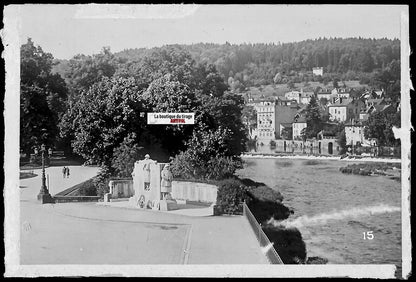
44 197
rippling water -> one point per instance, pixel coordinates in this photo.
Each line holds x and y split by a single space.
332 209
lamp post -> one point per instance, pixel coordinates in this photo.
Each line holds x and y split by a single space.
44 197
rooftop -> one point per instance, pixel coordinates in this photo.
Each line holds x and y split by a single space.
341 103
301 119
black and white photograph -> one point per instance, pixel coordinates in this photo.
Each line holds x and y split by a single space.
190 140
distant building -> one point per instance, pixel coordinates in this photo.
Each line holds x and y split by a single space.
318 71
345 109
300 97
294 95
341 92
284 117
298 125
354 135
306 97
373 94
282 101
266 111
324 93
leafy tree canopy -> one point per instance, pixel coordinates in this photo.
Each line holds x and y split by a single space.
42 98
379 126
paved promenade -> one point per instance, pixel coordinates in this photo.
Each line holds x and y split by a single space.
29 187
89 233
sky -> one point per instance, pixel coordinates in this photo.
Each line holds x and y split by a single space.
68 30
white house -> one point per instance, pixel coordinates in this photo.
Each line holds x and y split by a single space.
300 96
341 92
345 109
324 93
298 125
354 135
318 71
294 95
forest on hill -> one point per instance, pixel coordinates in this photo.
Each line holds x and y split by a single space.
260 64
246 65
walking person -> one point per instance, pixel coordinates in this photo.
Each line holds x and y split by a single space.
67 172
64 171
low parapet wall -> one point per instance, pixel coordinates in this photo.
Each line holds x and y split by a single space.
194 191
121 188
181 190
67 199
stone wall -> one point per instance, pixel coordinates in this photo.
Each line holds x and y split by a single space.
315 147
194 191
181 190
121 188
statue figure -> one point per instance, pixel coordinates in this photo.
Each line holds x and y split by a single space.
166 184
146 174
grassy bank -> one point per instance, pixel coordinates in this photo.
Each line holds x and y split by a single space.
86 188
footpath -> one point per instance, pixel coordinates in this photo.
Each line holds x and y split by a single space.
90 233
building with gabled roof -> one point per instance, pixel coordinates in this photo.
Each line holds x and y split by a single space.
299 123
354 134
345 109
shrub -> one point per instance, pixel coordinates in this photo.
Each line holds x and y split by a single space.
186 166
365 172
208 156
250 182
125 156
265 210
316 260
265 193
231 193
288 244
101 181
222 167
87 188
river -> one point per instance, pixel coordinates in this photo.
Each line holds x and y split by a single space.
334 211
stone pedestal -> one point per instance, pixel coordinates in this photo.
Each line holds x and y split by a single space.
46 199
168 205
107 197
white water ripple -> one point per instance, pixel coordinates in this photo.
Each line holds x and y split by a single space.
322 219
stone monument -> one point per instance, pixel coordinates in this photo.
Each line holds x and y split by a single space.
147 184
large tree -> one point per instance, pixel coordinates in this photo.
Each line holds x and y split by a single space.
83 71
379 126
313 118
102 117
42 98
168 95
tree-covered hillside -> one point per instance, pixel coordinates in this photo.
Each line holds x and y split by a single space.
260 64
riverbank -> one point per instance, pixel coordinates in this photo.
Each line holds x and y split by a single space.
332 209
314 157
